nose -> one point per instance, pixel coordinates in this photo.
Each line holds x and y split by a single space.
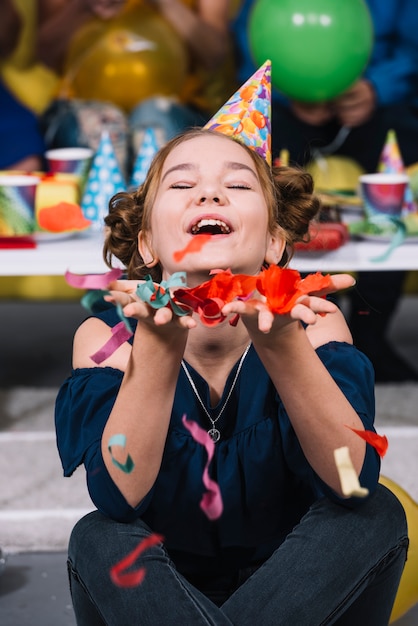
210 193
205 199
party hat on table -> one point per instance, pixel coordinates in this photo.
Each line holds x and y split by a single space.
104 180
146 153
246 116
391 162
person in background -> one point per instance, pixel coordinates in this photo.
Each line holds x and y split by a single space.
385 97
21 142
203 28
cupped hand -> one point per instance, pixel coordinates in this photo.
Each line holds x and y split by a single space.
123 292
257 316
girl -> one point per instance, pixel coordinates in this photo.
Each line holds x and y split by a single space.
276 392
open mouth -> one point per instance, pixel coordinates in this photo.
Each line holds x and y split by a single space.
210 227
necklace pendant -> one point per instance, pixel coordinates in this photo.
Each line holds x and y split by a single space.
214 434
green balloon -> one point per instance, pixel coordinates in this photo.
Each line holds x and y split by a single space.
317 48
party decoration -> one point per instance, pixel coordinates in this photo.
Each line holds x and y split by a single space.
127 59
62 217
120 334
407 595
211 503
120 577
146 153
246 115
335 174
160 296
283 287
350 485
104 181
379 442
195 245
318 48
120 440
93 281
391 162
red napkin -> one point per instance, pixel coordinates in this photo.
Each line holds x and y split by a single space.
17 241
325 236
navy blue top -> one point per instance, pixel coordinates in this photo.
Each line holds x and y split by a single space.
264 477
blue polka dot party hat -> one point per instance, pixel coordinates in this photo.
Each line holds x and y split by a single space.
146 153
104 180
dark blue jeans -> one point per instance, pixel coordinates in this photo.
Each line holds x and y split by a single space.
338 566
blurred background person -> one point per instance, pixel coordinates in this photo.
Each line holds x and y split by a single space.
355 124
21 142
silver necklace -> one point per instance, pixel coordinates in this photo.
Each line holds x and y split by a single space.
213 432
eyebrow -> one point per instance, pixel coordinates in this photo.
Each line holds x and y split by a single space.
231 165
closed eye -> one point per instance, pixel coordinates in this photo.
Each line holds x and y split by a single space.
180 186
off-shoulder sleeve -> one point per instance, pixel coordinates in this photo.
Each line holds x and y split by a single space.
353 373
82 408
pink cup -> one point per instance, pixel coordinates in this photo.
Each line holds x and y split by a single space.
75 161
17 204
383 194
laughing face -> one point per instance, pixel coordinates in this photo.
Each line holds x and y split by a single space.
209 186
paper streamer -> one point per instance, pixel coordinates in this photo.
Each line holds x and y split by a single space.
195 245
120 440
350 485
132 579
92 281
379 442
158 296
211 502
120 334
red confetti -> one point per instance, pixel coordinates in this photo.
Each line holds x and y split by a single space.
379 442
132 579
195 244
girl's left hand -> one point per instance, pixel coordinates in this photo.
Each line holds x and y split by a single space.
256 314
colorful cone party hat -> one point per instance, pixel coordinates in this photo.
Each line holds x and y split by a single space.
104 180
146 153
246 115
391 162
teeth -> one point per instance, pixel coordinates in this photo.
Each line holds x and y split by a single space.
211 222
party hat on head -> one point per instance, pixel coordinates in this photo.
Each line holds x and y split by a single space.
246 115
104 180
391 162
146 153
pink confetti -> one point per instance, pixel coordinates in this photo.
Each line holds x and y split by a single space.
211 503
92 281
120 334
132 579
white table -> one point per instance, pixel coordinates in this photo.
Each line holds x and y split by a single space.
82 254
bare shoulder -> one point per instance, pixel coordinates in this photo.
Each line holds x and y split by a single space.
330 327
91 337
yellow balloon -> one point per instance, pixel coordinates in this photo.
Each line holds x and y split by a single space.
125 60
335 173
407 594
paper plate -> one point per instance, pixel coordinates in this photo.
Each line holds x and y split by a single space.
372 232
44 237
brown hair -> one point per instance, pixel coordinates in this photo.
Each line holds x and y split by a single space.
288 192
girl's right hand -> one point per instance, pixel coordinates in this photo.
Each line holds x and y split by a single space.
123 292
